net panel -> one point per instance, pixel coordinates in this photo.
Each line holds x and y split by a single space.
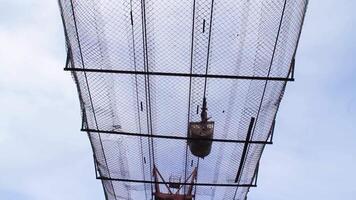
249 38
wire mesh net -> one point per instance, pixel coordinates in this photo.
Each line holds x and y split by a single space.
142 69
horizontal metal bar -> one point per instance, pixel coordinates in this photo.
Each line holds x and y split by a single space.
188 183
176 137
179 74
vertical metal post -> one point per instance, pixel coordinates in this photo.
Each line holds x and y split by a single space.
272 130
248 137
256 172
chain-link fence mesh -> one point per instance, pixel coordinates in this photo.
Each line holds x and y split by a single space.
116 47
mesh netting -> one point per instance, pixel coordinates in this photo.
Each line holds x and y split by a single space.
142 68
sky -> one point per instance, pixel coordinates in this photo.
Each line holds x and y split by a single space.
43 155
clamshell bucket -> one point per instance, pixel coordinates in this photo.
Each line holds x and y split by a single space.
201 134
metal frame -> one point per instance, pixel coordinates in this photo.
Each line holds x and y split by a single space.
147 73
174 195
246 142
177 137
111 71
161 182
99 177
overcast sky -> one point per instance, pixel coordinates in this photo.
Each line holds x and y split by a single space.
44 156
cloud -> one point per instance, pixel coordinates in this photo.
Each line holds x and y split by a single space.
44 156
312 157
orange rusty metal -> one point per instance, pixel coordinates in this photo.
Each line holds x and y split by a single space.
173 195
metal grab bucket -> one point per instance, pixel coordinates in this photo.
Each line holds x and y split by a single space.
200 131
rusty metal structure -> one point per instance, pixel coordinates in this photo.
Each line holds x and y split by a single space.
179 97
176 184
